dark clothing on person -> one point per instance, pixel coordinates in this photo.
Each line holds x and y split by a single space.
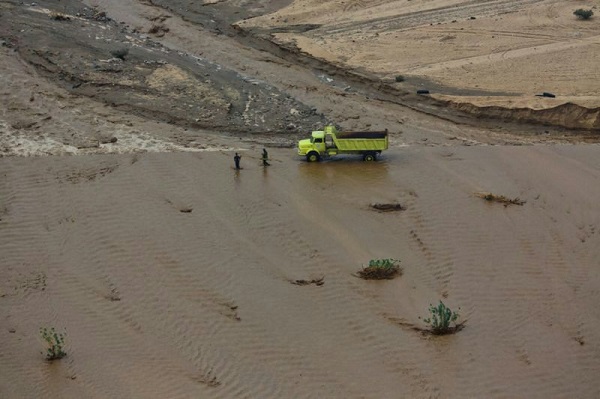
265 157
236 159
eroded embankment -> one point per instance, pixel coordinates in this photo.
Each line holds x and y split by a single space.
568 115
89 54
220 18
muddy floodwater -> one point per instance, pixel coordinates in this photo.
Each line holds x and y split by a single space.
125 226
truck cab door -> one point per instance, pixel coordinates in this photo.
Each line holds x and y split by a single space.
329 141
319 145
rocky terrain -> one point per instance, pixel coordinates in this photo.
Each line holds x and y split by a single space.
203 68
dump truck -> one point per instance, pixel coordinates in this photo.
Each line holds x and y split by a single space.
329 142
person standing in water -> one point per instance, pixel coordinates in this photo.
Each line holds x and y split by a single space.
236 159
265 157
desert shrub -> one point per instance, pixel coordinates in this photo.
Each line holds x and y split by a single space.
59 17
387 207
583 14
316 281
440 319
158 29
55 342
380 269
120 53
154 29
400 78
500 198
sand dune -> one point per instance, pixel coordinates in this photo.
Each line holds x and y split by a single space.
161 301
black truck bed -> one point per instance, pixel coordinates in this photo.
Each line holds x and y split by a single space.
362 135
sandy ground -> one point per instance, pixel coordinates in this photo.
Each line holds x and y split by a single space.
512 49
124 225
497 46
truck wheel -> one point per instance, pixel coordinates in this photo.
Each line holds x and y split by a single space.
313 157
369 157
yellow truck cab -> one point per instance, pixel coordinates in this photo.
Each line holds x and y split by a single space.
330 142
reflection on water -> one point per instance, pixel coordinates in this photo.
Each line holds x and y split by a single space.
344 171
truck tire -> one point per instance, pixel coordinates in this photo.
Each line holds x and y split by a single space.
313 157
370 157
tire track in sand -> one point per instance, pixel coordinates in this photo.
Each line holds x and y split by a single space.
443 14
538 49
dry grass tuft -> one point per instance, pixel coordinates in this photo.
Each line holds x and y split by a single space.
500 198
316 281
380 269
158 30
387 207
59 17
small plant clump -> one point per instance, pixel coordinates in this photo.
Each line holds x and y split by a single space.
59 17
387 207
381 269
400 78
583 14
500 198
441 317
55 342
158 29
316 281
120 53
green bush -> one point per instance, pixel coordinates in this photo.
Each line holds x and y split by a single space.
441 317
55 342
583 14
380 269
400 78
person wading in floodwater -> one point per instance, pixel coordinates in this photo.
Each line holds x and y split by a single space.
236 159
265 157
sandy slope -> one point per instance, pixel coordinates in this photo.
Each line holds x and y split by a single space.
450 46
158 302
